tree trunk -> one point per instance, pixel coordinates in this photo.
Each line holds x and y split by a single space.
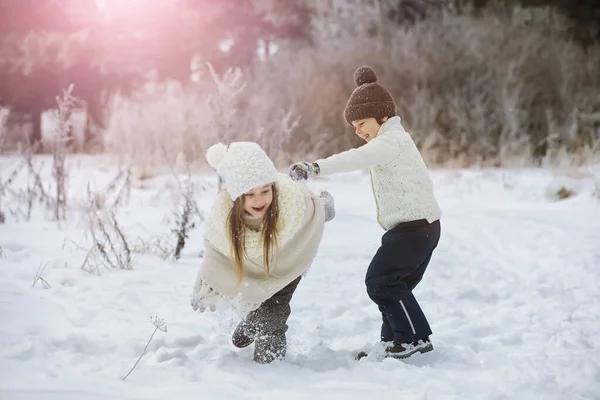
36 131
93 122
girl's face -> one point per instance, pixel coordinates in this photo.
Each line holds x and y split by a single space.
258 200
367 128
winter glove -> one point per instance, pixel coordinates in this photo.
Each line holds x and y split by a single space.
329 203
205 298
303 170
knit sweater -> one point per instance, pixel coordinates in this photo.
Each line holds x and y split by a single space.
300 227
400 181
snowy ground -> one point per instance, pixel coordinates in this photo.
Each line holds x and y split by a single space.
512 295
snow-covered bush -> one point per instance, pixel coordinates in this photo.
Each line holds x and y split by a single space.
492 88
158 120
163 121
170 119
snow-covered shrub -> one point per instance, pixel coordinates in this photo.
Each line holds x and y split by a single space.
167 120
162 121
156 121
490 88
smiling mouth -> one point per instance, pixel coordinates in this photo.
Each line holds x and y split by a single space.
258 209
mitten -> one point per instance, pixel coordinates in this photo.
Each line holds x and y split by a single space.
329 203
303 170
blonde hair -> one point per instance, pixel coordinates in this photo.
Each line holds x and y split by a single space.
237 233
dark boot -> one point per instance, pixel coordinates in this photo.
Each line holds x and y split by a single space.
270 348
266 326
405 350
243 336
402 350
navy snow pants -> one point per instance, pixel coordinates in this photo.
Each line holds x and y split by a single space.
397 267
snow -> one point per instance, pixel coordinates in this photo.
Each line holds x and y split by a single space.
511 294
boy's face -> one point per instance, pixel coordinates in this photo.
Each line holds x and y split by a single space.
367 128
258 200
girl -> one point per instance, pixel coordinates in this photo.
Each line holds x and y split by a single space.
261 235
406 208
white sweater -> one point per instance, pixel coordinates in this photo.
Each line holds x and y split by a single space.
400 181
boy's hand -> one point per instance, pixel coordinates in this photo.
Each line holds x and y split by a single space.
303 170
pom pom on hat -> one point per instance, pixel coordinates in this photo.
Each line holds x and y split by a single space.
242 165
364 75
215 155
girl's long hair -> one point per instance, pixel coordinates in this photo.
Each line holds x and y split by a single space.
237 233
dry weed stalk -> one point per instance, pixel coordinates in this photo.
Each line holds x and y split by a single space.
184 215
38 276
159 325
119 186
159 245
35 190
4 186
110 247
62 139
185 219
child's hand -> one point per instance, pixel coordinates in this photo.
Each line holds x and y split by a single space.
303 170
201 305
205 298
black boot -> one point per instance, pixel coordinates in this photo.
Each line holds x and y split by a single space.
270 348
243 336
405 350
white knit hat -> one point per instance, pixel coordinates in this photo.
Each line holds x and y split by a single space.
242 165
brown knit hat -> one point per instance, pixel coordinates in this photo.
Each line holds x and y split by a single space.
369 99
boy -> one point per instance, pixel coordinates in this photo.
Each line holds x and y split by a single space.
406 209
